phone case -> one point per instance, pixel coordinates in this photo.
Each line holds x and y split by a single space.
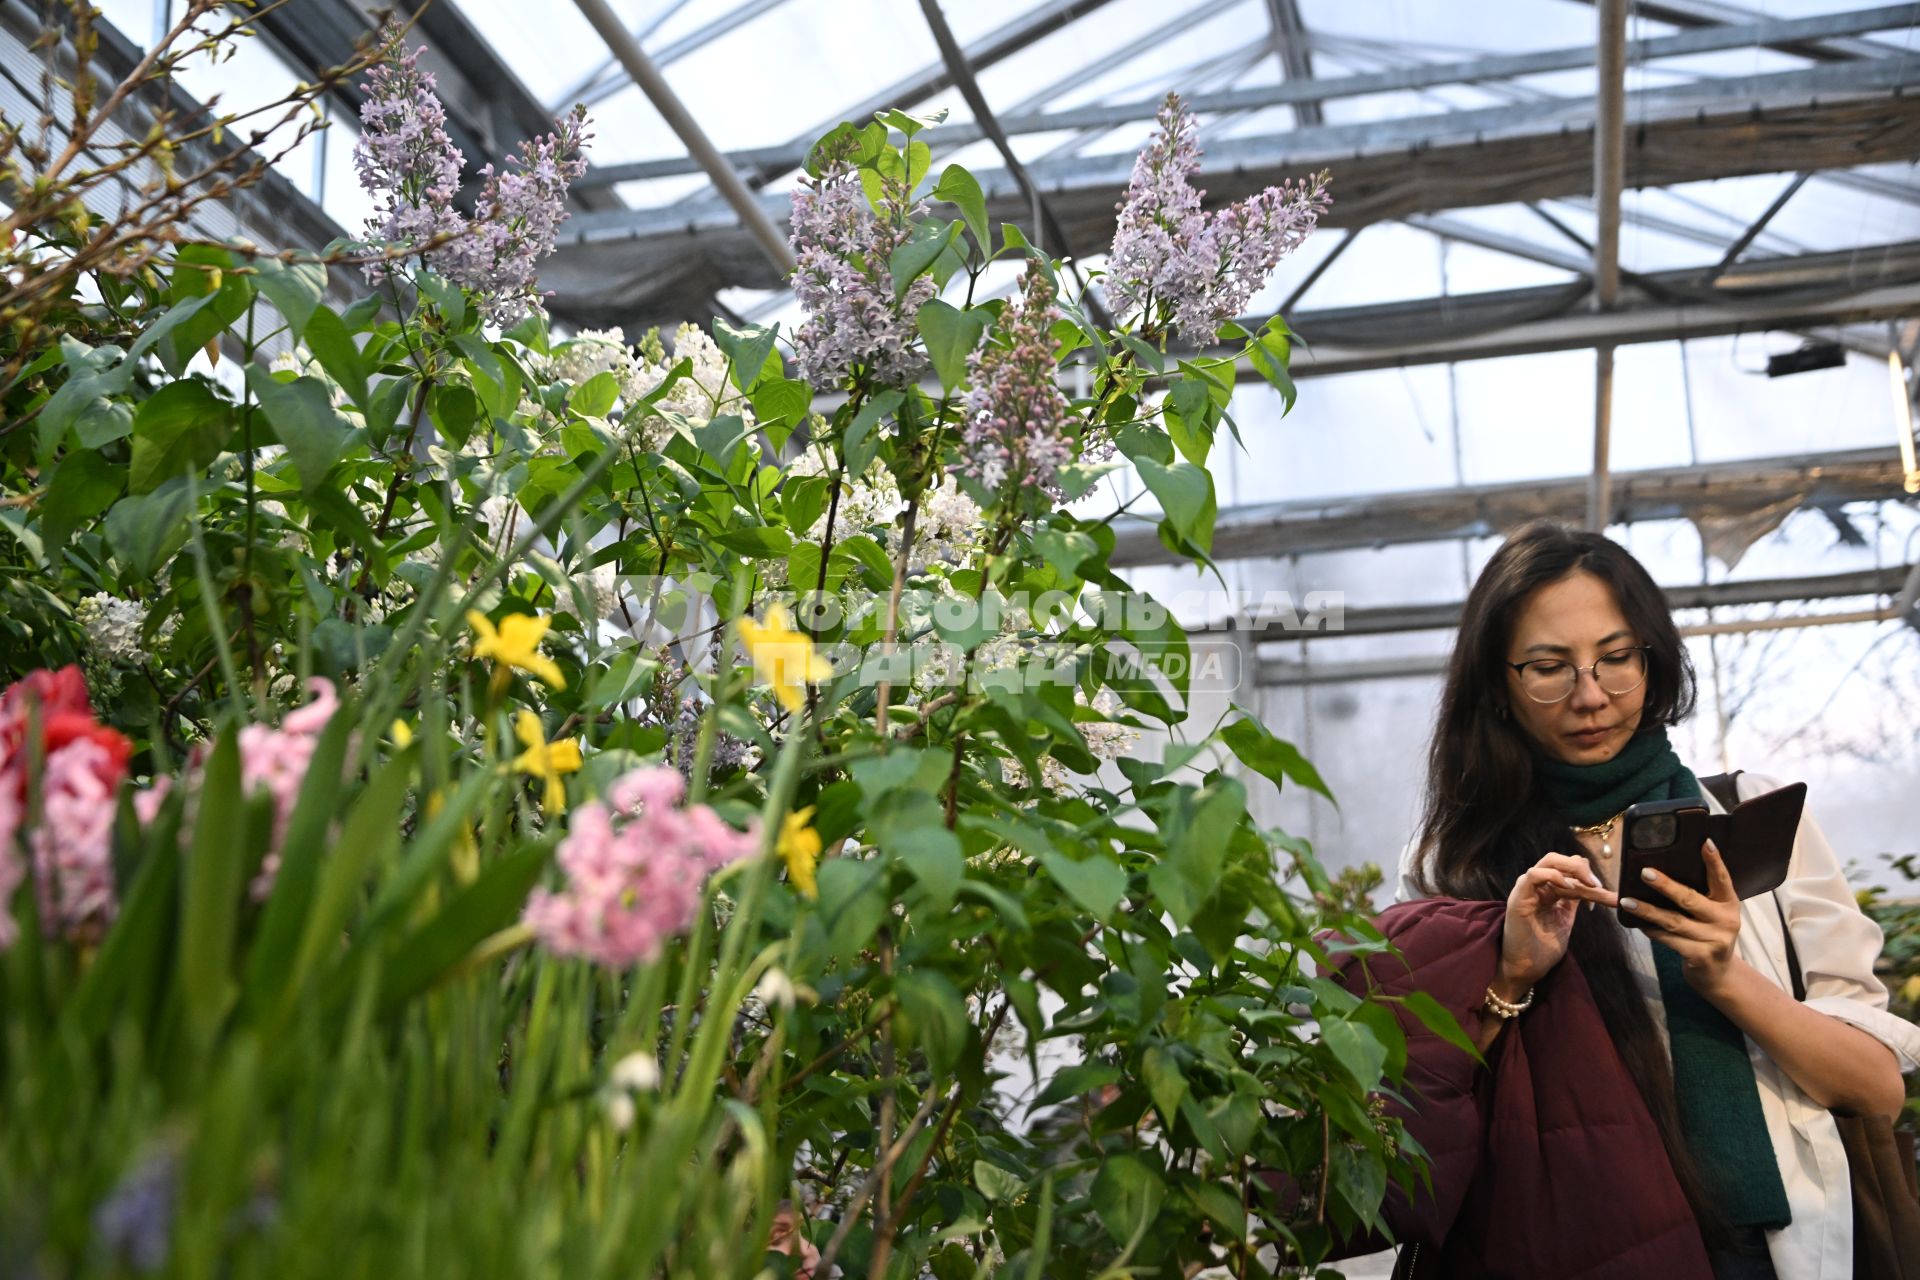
1755 840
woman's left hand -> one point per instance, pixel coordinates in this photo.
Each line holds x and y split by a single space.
1703 932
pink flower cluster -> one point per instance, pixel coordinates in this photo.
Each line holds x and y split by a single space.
1016 413
1199 268
634 868
410 166
843 283
82 766
276 760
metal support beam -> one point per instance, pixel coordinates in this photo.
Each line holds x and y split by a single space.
647 76
1759 224
1609 176
1291 46
1307 526
1707 15
1299 92
609 78
1402 619
1276 673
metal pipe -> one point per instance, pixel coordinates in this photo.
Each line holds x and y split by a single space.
1609 176
624 47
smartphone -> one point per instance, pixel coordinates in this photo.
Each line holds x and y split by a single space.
1665 835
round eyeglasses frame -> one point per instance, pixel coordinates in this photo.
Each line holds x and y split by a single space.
1646 666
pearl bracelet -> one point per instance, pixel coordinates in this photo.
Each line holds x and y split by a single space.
1506 1008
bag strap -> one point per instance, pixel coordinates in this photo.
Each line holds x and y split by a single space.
1725 787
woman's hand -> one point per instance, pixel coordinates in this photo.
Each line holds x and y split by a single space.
1540 915
1705 929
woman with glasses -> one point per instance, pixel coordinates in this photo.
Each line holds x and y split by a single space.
1651 1102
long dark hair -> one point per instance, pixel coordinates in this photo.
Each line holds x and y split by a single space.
1486 822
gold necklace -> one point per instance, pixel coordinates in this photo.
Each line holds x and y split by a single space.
1604 830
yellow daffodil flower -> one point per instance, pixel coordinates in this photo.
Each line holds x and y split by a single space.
799 848
784 657
402 734
514 644
546 760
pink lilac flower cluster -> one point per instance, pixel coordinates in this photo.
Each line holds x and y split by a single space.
404 158
1200 268
516 218
843 283
634 868
1016 413
410 166
82 764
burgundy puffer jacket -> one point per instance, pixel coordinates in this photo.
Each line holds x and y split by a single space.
1546 1161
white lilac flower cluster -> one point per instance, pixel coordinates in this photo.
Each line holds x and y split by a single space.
1200 267
842 282
698 396
946 528
1106 741
113 628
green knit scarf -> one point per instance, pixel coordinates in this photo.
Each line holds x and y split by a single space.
1713 1081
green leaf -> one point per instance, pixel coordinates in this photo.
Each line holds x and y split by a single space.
1192 418
1356 1048
1273 758
901 768
721 438
997 1184
962 190
951 335
781 404
1064 550
144 529
1077 477
853 903
747 348
181 428
1437 1019
92 376
862 439
967 623
1165 1082
922 247
210 897
488 904
1185 492
448 298
103 422
1270 353
83 485
294 289
594 398
1127 1194
333 346
759 542
936 1015
303 418
1076 1082
1095 882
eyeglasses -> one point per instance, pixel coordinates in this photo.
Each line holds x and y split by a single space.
1551 680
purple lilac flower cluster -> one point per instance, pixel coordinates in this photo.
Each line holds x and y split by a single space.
404 157
516 218
1016 413
634 870
1200 268
410 166
842 281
